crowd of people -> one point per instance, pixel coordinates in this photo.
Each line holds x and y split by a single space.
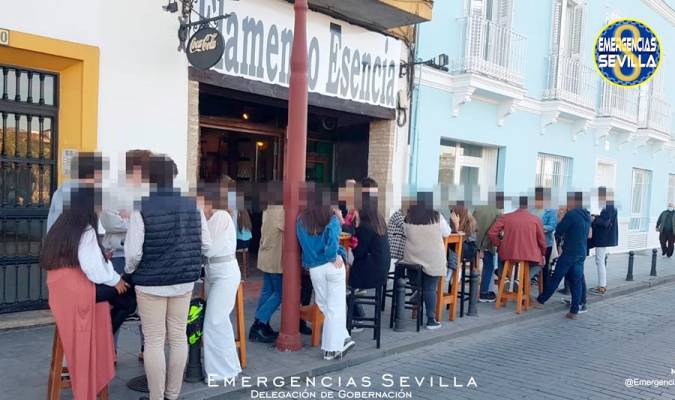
158 242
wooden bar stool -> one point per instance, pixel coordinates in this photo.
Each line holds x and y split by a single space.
244 262
314 316
450 297
59 377
241 329
521 295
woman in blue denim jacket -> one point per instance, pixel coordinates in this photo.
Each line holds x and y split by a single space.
318 229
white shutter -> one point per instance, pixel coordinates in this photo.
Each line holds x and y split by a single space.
504 12
557 26
576 40
477 7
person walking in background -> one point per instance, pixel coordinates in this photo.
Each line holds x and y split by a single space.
605 234
573 230
318 229
87 169
425 232
76 268
549 220
163 250
486 216
519 236
221 360
269 262
665 225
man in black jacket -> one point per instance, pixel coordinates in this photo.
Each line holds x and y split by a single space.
605 234
666 228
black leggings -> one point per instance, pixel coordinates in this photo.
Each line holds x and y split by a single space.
122 304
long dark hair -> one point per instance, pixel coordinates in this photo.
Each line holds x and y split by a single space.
61 245
369 215
316 216
422 212
244 220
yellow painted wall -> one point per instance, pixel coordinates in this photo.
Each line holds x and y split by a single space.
78 69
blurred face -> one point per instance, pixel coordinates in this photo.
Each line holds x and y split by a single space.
205 205
136 177
539 202
671 206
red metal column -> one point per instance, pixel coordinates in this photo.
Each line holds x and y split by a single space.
294 176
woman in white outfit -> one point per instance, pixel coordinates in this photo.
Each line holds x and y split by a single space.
221 360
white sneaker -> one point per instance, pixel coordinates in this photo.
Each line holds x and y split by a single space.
357 329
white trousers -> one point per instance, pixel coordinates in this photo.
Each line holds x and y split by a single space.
221 360
329 294
600 253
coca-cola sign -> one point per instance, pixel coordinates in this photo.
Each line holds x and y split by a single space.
205 48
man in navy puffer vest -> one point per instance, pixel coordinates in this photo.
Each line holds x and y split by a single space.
163 251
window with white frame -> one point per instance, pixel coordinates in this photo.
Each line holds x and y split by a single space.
605 174
496 11
553 171
640 197
671 188
568 26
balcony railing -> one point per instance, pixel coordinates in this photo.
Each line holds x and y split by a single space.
571 81
656 113
619 103
491 49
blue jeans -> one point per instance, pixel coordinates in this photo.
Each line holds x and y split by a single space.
488 271
270 297
571 268
429 287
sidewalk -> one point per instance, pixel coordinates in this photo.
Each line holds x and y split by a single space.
25 353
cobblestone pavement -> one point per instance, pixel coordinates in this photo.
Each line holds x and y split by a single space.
545 358
25 353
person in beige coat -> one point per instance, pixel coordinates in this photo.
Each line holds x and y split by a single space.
425 230
269 262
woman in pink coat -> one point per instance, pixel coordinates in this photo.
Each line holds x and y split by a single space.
75 263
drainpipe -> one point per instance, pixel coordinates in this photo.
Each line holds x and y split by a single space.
412 127
294 177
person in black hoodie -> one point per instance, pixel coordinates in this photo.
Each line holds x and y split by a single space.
605 234
573 229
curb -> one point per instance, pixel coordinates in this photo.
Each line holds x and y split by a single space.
356 359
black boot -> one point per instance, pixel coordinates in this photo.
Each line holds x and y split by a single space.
257 333
304 329
269 331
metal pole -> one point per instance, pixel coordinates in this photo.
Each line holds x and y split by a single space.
399 305
653 271
631 260
473 294
294 176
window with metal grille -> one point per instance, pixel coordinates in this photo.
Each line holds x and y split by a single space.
553 171
28 148
640 197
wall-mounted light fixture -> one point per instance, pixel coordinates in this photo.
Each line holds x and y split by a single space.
186 25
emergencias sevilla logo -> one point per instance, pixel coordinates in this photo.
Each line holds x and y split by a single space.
627 52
